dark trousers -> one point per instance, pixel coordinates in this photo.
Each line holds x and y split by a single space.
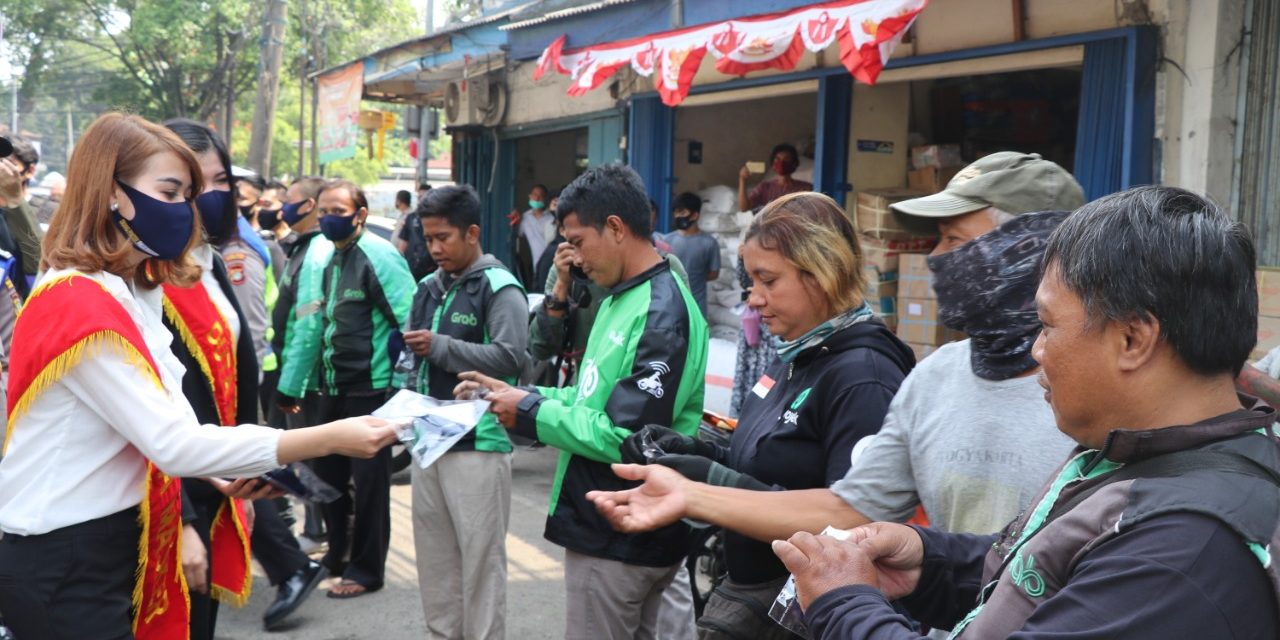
74 582
273 543
206 501
272 416
366 487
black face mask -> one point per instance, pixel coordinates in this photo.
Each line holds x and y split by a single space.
987 289
268 218
684 222
246 210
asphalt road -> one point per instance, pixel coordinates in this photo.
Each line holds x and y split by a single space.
535 577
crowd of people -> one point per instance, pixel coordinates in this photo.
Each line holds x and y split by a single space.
180 331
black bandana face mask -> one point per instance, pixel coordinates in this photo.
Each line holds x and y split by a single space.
987 289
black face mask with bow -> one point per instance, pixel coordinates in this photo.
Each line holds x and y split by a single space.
987 289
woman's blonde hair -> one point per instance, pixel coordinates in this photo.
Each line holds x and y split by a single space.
813 233
83 235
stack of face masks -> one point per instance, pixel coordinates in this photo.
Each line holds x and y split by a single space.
430 427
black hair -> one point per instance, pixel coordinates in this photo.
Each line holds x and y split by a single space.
608 190
423 186
200 139
689 201
653 205
457 204
545 190
26 153
1170 254
404 197
256 181
275 185
310 186
779 148
357 194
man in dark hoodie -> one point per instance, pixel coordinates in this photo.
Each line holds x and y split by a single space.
469 315
1162 521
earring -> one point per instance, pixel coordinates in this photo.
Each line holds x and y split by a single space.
115 207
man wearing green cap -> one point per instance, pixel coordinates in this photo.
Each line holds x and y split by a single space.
968 436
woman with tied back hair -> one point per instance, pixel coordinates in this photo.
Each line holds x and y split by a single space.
99 427
837 370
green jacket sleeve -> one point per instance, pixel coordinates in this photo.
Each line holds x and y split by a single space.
648 394
393 293
304 325
546 333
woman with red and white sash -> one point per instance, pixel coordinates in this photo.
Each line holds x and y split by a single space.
98 424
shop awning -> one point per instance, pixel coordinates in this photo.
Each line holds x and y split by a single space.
867 31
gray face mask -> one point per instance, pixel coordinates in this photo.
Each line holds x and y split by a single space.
987 289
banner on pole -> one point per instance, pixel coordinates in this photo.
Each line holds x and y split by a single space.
338 112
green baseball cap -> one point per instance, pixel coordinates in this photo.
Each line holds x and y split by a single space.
1010 181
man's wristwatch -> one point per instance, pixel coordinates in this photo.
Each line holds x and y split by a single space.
552 304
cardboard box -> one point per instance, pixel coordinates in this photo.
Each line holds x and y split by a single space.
881 254
914 278
922 351
931 179
890 320
1268 292
882 296
918 323
936 155
1268 337
874 216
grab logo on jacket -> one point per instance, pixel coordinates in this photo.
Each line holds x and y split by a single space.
590 379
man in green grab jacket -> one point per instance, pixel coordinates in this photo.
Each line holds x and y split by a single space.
352 293
645 363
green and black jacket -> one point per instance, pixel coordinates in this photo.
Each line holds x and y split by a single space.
645 363
348 302
480 323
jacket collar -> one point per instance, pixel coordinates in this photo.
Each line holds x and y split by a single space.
638 279
1128 445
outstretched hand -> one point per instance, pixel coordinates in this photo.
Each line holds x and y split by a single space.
658 502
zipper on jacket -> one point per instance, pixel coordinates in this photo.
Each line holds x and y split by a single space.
331 304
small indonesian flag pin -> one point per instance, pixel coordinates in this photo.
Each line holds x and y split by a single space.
763 386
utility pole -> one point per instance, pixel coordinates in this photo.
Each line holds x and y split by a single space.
302 89
264 109
71 140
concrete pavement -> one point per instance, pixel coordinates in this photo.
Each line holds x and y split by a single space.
535 574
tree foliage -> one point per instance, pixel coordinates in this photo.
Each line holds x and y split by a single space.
189 58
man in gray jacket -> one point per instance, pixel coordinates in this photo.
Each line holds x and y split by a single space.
471 314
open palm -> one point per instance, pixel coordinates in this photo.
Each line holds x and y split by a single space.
658 502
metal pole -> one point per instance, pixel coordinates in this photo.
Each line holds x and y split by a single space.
71 140
302 91
13 106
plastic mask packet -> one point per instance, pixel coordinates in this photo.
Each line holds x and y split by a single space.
786 607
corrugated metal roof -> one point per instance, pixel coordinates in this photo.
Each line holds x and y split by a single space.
563 13
448 29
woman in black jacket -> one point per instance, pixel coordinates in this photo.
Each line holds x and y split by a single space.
836 372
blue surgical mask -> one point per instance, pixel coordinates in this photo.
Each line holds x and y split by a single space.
536 204
213 212
291 213
159 229
338 228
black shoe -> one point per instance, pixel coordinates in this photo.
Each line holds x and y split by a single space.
292 592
